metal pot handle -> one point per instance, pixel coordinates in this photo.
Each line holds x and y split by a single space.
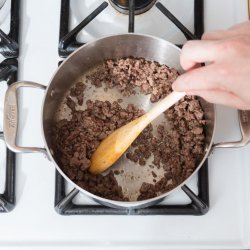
244 120
10 120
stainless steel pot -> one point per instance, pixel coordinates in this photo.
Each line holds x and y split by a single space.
84 59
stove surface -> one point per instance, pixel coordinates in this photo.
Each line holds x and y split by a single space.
35 224
152 22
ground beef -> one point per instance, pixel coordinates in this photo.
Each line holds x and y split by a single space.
151 77
177 151
76 139
78 92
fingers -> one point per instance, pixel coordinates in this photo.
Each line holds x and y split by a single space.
217 35
223 80
203 78
237 30
244 26
221 97
194 52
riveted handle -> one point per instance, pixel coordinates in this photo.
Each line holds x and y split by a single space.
244 120
10 123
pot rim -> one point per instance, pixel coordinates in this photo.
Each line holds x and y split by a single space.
114 203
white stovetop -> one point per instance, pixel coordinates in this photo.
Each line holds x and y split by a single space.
34 224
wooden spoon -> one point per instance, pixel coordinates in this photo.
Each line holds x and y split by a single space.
113 146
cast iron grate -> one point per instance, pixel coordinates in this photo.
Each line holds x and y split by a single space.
199 203
64 204
9 42
68 42
8 73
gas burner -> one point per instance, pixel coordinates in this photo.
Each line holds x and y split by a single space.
72 39
64 200
140 6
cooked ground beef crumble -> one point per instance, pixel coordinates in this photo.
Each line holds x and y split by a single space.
177 151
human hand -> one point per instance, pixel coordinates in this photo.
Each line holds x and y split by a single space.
226 77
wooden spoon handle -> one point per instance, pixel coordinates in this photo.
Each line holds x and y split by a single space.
113 146
163 105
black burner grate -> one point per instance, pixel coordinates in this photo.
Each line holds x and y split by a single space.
68 42
67 39
199 203
9 42
8 73
9 48
64 204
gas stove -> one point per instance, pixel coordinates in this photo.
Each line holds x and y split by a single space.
43 197
9 49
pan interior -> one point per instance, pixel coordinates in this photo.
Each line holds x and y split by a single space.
86 59
132 175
